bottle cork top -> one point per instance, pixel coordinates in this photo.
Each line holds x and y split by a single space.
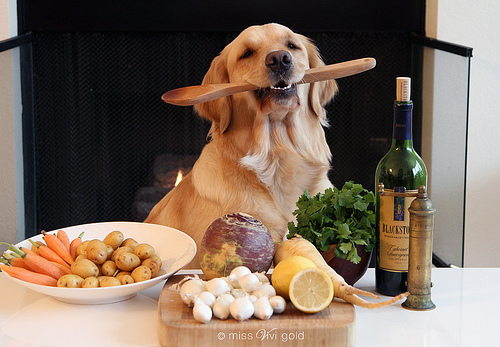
403 89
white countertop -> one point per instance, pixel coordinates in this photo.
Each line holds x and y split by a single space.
467 305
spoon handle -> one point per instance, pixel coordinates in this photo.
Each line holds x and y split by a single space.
193 95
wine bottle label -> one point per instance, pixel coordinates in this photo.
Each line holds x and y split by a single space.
394 231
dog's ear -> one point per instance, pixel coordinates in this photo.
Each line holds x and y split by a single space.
219 110
320 93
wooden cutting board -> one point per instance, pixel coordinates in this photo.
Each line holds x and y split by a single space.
334 326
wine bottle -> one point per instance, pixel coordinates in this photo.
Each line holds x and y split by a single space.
400 170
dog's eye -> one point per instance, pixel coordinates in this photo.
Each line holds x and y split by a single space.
248 53
292 45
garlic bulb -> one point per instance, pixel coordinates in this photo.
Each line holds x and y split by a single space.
262 277
262 308
190 289
207 297
228 298
221 309
201 312
277 303
218 286
236 273
266 290
249 282
241 308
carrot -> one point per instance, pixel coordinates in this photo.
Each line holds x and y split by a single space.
29 276
65 269
74 245
37 263
57 246
48 254
19 262
300 246
61 235
13 259
34 248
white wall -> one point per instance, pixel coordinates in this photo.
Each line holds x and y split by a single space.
475 24
8 129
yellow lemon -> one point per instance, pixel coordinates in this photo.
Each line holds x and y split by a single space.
311 290
285 270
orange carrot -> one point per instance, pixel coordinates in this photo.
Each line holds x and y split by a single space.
13 259
61 235
48 254
74 245
57 246
37 263
34 248
65 269
19 262
29 276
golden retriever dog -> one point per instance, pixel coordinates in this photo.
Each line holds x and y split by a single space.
267 146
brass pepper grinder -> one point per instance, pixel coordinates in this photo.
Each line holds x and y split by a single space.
420 253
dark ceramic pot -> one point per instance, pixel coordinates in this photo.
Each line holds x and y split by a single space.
348 270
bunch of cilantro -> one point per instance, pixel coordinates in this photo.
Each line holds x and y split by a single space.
337 217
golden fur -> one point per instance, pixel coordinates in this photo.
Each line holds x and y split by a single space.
265 148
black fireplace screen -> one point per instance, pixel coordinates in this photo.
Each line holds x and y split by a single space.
106 147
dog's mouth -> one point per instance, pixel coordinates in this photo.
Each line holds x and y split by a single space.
280 90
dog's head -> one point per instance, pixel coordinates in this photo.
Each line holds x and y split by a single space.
273 58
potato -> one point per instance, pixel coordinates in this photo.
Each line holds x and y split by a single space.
141 273
81 249
90 282
110 282
114 239
126 279
97 251
120 250
144 251
108 268
122 273
130 243
81 256
84 268
156 258
70 281
153 265
110 251
100 278
127 261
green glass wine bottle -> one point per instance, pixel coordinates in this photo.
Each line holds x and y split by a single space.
400 170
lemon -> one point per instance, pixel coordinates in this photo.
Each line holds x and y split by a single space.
311 290
285 270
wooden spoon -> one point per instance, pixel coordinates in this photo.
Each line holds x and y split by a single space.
188 96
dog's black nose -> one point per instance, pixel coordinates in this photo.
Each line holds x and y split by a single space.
279 61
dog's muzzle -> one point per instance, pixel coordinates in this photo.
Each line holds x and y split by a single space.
279 64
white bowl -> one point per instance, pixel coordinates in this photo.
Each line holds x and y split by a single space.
175 248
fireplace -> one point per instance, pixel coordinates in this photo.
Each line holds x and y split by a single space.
102 146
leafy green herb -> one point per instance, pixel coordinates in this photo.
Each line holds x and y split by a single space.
342 217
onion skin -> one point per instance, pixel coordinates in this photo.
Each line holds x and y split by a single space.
236 239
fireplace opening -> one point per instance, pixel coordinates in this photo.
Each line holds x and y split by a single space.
103 146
